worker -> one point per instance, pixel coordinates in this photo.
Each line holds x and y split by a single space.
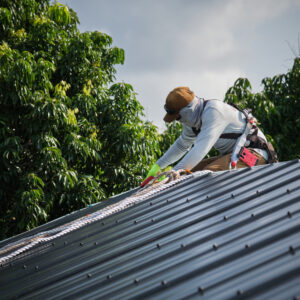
207 124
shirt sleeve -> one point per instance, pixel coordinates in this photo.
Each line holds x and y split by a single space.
179 148
213 125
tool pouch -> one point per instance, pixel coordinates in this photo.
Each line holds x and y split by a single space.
247 157
258 142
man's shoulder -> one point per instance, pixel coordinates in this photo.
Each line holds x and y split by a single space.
213 106
220 106
215 103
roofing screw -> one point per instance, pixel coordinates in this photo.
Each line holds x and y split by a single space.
65 242
225 218
24 267
292 250
158 246
247 246
81 244
239 292
36 268
136 281
289 214
200 289
187 200
164 282
296 298
150 203
182 245
96 243
168 200
288 191
215 246
257 192
207 197
102 223
152 220
117 221
232 195
53 243
108 276
252 215
135 222
89 275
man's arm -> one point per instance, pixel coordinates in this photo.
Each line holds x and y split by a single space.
213 125
179 148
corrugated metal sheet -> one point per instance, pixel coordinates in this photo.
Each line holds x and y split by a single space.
228 235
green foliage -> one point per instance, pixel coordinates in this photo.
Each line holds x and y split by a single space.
169 136
277 108
67 138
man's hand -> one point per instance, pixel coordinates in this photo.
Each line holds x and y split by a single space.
165 170
154 171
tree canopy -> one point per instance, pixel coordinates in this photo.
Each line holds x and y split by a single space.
69 136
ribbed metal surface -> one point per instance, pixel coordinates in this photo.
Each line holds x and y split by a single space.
229 235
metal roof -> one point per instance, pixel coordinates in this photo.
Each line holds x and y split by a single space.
225 235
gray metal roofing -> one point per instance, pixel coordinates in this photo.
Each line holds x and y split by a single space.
227 235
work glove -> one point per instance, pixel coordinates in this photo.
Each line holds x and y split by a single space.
154 171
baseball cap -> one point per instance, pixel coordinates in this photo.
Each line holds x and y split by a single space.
177 99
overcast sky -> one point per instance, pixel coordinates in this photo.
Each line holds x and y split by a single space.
205 45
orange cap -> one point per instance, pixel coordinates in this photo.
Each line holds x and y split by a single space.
177 99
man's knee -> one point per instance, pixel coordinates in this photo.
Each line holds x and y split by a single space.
203 163
220 164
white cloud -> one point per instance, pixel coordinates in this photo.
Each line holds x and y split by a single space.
255 11
212 35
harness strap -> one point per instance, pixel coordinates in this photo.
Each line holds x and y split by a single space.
195 130
232 135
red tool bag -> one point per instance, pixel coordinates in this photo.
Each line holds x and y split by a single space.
248 157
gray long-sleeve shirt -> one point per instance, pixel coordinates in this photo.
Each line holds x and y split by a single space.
217 118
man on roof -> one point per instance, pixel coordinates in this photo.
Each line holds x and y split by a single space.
208 124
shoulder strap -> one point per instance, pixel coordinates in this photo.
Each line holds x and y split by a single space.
195 130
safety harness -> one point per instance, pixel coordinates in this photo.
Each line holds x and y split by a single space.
248 138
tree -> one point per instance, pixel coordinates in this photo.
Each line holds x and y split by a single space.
277 108
68 136
169 136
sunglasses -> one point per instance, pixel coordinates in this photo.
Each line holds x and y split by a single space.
170 111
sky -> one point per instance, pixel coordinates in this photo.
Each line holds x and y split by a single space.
203 44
